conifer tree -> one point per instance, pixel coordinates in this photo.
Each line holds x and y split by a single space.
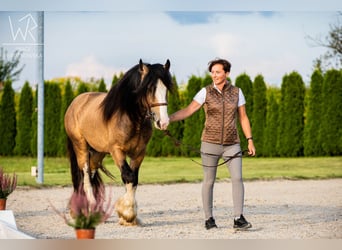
102 86
23 139
271 125
312 140
66 101
244 82
259 113
282 117
82 87
192 127
291 138
330 131
52 114
175 128
8 121
116 78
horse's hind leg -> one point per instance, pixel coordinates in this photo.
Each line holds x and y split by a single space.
88 189
82 155
95 161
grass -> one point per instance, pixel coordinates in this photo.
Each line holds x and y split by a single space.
165 170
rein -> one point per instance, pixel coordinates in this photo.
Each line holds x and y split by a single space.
240 154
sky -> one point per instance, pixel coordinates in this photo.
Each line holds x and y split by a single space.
102 43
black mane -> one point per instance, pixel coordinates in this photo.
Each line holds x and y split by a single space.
129 95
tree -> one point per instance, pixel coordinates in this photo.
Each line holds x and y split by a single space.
82 88
244 82
117 78
52 114
8 124
192 127
291 119
102 86
259 113
8 68
333 42
330 130
66 100
312 140
175 128
270 133
23 139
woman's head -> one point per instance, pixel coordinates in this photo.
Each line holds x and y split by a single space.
226 65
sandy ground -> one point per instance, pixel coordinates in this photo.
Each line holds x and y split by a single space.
282 209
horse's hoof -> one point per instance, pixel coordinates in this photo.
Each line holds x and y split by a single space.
134 222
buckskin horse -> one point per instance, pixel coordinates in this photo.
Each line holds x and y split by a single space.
117 123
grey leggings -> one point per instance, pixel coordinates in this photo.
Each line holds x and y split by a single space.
211 153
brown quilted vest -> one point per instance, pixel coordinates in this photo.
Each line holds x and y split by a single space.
220 115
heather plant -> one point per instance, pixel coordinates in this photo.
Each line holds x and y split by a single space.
7 184
84 215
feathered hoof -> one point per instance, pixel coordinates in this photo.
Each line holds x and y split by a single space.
123 222
127 212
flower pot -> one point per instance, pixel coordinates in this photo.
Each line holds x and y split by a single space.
85 233
2 204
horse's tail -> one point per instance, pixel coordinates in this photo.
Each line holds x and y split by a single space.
76 173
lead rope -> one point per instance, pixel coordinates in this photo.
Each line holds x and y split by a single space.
178 143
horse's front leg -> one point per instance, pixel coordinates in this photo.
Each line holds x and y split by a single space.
126 205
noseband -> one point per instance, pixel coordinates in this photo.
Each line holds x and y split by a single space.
151 115
152 105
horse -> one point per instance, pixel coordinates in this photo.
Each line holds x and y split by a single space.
118 123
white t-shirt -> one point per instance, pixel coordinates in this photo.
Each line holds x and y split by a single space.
200 96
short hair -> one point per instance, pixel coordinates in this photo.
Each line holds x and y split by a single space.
226 65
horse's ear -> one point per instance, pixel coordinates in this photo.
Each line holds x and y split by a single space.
143 68
167 64
141 65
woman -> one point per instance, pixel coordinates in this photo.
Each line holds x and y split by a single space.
222 103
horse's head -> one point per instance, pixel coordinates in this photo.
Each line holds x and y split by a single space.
157 97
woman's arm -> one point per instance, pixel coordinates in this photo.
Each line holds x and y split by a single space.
246 128
186 112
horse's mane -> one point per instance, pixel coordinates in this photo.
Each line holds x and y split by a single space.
128 96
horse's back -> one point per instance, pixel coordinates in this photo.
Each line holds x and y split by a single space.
84 106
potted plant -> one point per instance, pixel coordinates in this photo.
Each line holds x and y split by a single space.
84 217
7 186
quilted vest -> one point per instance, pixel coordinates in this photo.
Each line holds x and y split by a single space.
220 115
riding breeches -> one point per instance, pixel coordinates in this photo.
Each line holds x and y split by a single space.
211 154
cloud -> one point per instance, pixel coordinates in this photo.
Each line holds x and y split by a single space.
224 44
90 67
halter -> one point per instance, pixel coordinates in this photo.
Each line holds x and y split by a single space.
151 115
158 104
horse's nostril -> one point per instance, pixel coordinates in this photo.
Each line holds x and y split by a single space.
158 124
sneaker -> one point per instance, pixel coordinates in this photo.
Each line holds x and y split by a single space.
241 223
210 223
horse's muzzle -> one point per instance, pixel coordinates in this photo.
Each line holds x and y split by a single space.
161 125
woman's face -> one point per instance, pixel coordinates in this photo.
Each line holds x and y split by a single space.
218 75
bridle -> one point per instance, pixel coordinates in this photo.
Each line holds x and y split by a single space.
151 115
152 105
